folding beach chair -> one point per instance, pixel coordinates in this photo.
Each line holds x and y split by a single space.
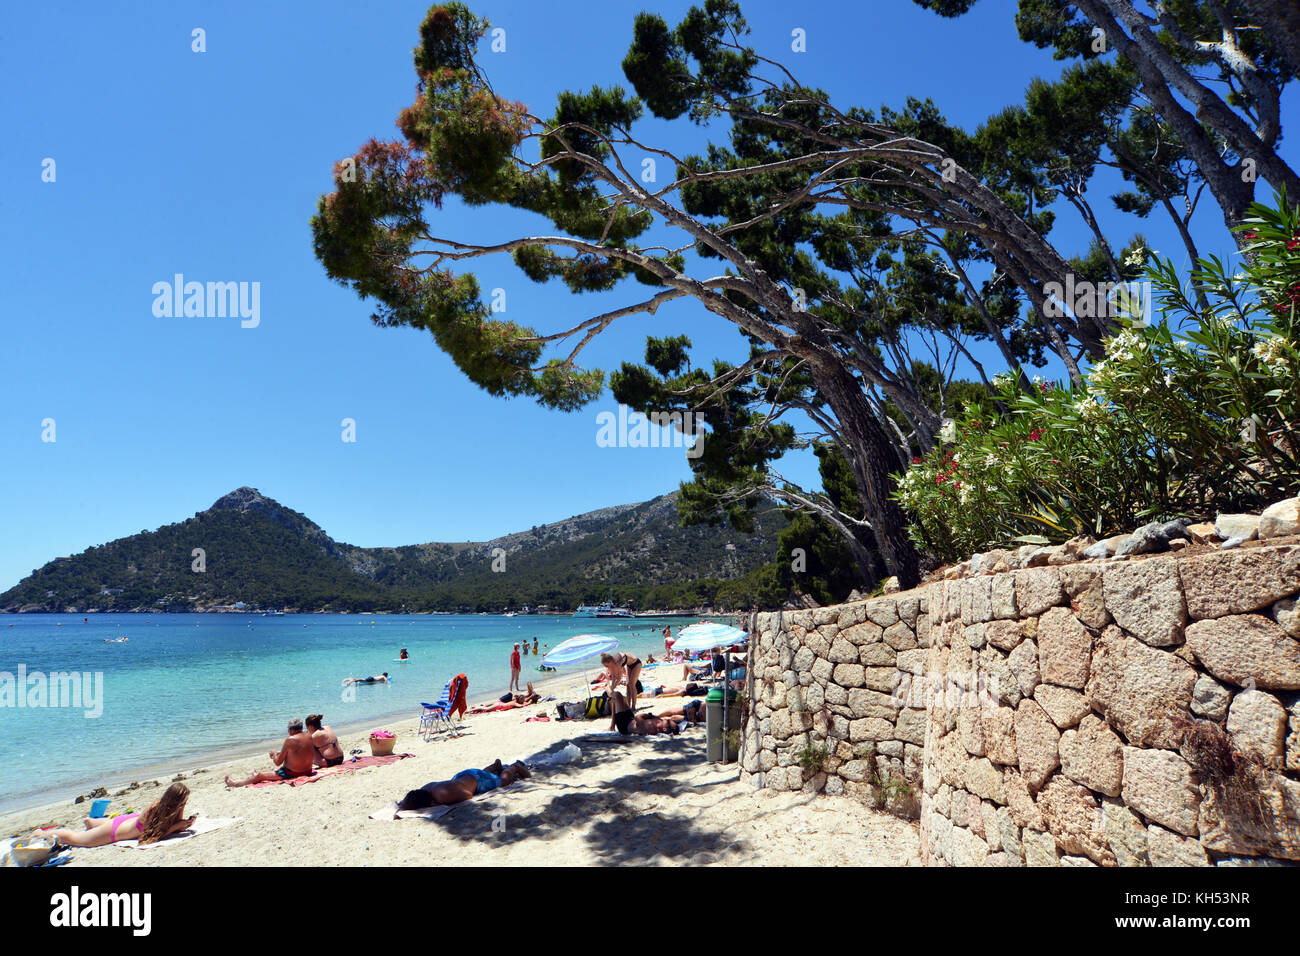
436 717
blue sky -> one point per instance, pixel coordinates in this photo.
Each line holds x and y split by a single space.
210 164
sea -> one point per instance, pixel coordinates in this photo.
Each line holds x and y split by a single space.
216 686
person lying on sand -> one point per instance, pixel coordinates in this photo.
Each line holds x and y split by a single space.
689 689
466 784
629 722
691 710
531 697
325 743
295 758
165 816
381 679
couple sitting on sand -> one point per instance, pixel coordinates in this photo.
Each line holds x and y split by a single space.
300 754
466 784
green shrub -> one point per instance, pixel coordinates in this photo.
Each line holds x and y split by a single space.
1193 414
812 757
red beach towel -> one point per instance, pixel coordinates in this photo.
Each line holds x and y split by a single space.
459 689
356 763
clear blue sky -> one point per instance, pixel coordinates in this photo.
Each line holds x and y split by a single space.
211 165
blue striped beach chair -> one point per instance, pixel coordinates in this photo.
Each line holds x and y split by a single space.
436 717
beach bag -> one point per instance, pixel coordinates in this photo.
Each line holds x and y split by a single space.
598 707
570 710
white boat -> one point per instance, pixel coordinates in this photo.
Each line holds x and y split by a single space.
602 610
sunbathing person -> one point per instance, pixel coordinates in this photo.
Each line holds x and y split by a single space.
689 689
165 816
692 710
295 758
466 784
380 679
629 722
531 697
328 752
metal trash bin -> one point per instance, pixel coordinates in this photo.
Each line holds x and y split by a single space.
719 750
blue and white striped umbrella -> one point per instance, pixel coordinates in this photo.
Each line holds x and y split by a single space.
707 635
579 649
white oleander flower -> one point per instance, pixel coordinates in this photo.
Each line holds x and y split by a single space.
1090 410
1273 353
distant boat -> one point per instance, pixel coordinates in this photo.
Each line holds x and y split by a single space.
606 609
510 613
116 640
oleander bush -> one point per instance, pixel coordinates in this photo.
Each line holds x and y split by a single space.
1194 413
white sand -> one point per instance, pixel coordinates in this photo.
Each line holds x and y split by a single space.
626 800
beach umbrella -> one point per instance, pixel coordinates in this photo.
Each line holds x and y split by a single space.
706 635
579 649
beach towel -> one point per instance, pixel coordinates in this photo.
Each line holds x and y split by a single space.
356 763
539 719
493 708
197 828
459 688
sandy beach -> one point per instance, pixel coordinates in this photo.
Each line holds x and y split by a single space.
623 801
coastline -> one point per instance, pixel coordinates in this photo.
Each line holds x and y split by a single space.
667 805
404 722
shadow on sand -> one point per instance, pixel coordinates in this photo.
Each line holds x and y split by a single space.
619 831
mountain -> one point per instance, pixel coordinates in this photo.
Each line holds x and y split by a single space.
251 549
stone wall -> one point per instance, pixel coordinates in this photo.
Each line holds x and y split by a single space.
829 678
1041 708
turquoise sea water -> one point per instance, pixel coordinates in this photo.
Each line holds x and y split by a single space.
193 684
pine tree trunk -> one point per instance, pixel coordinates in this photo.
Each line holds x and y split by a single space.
873 455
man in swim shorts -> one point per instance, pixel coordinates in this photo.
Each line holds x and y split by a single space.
295 758
373 679
466 784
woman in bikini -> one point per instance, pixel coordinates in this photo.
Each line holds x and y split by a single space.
164 817
623 667
325 742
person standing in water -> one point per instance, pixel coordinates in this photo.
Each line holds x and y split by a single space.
515 667
534 647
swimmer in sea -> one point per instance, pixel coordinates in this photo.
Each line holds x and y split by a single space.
381 679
